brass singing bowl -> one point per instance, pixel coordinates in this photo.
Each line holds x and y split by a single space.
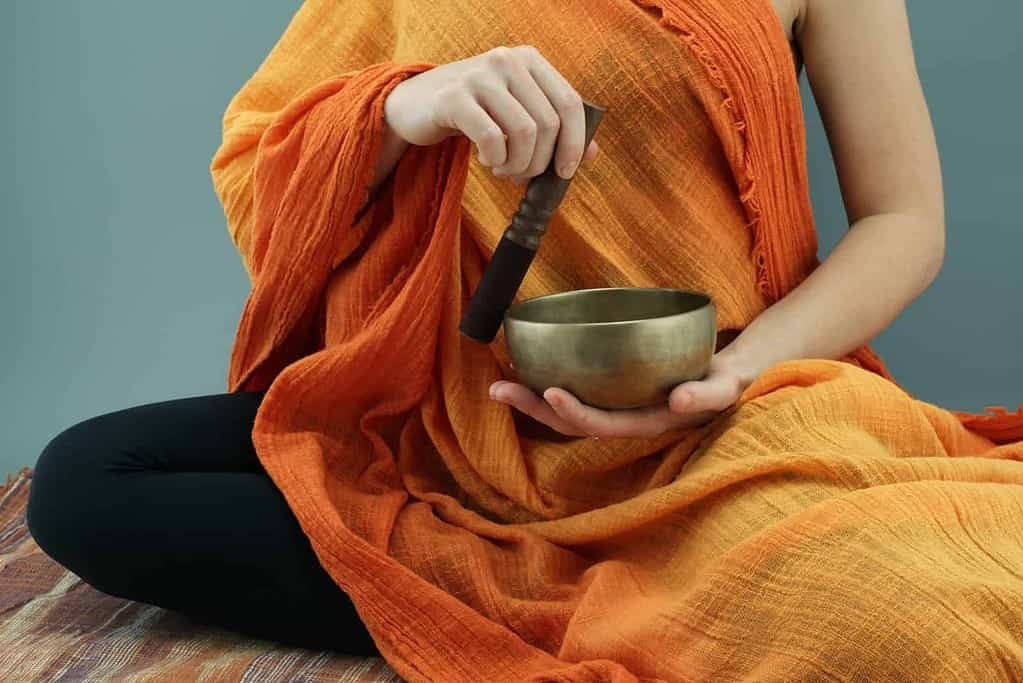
613 348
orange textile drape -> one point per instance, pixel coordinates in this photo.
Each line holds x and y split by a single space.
828 526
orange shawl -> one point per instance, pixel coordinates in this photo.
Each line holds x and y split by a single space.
829 526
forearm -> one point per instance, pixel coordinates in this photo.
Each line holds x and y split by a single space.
392 149
881 265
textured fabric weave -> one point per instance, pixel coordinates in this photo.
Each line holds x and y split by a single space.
829 526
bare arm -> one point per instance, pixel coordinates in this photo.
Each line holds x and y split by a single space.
860 62
390 153
861 67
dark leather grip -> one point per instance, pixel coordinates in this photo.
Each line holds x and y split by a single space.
508 266
496 291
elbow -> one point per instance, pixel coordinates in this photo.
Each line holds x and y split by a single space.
921 244
932 249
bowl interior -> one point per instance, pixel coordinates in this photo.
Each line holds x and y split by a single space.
610 305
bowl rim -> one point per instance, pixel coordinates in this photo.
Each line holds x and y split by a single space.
510 312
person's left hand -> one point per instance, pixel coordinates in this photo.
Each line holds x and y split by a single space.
689 404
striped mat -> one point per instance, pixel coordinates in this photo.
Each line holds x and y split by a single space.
54 627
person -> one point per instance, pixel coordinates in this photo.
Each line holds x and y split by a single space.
765 521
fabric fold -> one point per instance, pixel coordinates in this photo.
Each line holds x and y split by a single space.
478 547
319 151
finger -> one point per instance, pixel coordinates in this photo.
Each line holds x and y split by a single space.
514 121
709 394
591 153
639 422
569 106
466 115
525 89
524 400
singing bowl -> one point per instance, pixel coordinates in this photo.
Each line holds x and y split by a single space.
613 348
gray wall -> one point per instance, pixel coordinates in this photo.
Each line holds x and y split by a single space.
119 284
118 281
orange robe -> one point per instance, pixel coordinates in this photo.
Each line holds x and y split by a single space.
830 525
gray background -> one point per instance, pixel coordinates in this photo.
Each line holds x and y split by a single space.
119 284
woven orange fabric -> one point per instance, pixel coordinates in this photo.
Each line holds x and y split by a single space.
828 526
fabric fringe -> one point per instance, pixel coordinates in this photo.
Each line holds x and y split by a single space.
997 424
747 179
24 474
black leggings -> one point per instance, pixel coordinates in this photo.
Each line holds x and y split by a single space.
167 504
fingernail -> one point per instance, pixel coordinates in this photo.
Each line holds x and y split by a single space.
566 170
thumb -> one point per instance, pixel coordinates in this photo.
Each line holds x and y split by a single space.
713 393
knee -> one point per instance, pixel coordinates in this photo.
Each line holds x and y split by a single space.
67 474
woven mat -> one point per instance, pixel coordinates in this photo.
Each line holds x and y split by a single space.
55 627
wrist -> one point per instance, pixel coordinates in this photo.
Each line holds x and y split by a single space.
741 363
392 110
394 144
408 113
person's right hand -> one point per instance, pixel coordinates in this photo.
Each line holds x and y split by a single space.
510 101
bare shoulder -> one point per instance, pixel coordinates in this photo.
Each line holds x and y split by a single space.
862 70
